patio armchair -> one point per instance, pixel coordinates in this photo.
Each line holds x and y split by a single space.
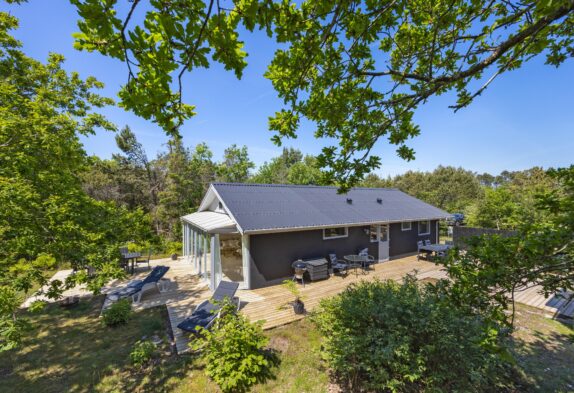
427 242
208 311
421 253
369 259
136 288
338 265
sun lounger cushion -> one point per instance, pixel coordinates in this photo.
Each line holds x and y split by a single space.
200 317
136 285
225 289
207 311
156 274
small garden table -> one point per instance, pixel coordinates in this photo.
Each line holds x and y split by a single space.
131 256
356 261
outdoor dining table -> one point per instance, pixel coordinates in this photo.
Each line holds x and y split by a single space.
356 261
131 256
435 248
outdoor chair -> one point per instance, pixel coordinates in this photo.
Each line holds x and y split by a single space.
145 260
338 265
421 253
123 260
206 312
136 288
427 242
369 259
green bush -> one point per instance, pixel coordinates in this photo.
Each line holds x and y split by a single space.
384 336
142 353
234 351
173 247
118 313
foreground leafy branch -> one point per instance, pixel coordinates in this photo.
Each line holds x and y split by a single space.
358 70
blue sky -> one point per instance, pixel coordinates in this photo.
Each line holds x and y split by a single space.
525 118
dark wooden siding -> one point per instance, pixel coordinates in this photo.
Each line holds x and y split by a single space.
405 242
273 253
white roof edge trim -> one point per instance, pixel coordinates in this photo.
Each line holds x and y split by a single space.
354 224
202 206
210 222
211 186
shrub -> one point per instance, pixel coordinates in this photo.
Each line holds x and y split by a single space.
234 351
384 336
173 247
118 313
142 353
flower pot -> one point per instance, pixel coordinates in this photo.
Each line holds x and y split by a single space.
174 257
298 307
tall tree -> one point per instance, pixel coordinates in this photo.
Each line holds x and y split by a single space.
235 166
46 218
375 181
291 167
359 70
449 188
136 156
512 199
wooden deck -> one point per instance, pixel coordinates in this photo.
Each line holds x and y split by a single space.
268 304
185 291
270 309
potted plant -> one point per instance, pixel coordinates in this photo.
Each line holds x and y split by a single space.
298 305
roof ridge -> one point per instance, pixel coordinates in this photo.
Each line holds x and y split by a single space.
273 185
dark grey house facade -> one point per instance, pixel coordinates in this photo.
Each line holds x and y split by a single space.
251 233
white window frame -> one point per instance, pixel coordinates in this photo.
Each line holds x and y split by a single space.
403 226
428 226
335 237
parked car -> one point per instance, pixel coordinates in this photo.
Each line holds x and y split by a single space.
457 219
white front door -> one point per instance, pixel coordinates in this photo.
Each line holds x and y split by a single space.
383 242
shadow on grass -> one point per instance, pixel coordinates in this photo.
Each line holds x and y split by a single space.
546 359
71 350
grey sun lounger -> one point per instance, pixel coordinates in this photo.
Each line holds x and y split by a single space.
136 288
206 312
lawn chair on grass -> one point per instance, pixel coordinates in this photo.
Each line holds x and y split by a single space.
136 288
206 312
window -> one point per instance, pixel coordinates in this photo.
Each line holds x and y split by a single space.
406 226
373 235
424 228
334 233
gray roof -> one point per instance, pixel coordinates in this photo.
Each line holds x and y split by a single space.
260 207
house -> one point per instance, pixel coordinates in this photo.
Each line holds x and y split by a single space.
251 233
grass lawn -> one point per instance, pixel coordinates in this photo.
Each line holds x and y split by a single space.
71 350
544 350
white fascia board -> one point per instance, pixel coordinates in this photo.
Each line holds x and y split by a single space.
211 187
355 224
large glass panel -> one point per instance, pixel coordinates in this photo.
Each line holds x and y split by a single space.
231 257
207 257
